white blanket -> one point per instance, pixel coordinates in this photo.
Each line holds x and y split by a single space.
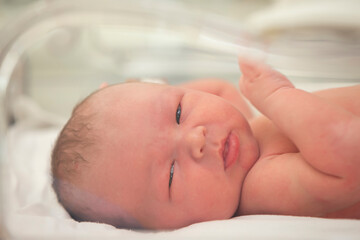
31 210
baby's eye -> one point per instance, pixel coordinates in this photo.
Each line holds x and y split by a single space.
171 174
178 114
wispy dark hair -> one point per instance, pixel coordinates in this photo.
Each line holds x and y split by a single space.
70 154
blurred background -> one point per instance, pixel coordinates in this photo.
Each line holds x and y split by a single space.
236 9
57 51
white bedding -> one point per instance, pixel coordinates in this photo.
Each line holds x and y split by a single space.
32 212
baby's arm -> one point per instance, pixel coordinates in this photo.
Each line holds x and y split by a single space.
222 89
326 135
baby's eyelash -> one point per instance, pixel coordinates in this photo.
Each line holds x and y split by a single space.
171 173
178 114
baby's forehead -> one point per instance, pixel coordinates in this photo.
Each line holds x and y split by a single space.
127 90
124 88
125 106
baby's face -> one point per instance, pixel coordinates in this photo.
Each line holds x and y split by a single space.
170 156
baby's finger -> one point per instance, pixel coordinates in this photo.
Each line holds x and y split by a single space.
259 80
250 74
249 68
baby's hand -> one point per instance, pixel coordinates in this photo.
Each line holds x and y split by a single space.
259 82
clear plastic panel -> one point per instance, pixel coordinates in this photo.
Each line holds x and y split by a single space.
59 51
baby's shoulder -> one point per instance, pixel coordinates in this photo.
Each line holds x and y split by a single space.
286 184
272 186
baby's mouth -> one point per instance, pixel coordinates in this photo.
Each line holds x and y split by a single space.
230 149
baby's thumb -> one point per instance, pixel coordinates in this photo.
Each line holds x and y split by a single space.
258 79
249 74
252 69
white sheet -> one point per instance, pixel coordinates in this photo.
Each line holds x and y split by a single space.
32 212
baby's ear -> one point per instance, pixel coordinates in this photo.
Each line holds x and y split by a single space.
103 85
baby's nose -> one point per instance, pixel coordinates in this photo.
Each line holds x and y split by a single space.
195 141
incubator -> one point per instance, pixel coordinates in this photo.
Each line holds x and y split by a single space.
57 52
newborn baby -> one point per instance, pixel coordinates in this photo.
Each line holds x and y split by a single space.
152 156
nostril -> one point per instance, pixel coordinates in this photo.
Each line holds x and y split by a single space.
196 141
204 131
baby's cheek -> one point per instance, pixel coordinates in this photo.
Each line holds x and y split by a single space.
216 194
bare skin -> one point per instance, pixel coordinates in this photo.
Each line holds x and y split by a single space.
309 148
